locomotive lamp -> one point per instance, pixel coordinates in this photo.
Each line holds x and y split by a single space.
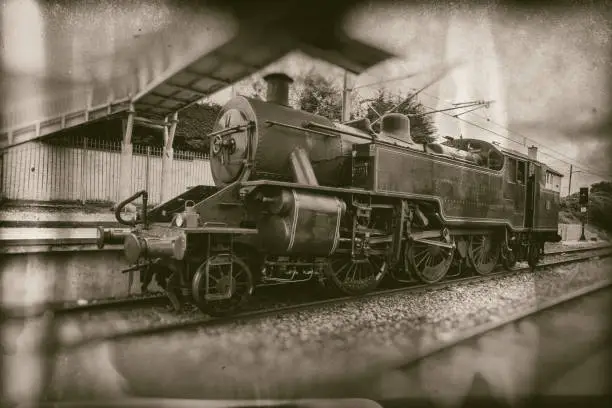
191 215
178 220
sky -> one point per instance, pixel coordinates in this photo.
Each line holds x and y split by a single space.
546 70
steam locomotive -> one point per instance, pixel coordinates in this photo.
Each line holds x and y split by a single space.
298 197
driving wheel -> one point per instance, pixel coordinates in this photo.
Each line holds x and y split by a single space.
430 263
483 253
355 275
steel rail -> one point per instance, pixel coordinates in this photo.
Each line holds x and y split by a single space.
429 350
108 304
101 305
267 312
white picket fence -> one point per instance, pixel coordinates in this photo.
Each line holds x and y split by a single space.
44 172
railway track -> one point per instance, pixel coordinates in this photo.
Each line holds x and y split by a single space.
153 300
160 300
484 341
115 326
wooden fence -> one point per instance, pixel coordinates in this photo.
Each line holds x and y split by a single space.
88 171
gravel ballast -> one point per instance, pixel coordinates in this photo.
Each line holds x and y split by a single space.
278 356
104 323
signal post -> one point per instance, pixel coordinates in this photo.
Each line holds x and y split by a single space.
583 200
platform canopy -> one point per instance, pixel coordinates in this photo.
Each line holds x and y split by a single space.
67 64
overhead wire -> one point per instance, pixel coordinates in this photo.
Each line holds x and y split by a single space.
569 161
574 162
526 138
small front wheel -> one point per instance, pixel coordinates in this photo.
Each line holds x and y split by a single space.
221 285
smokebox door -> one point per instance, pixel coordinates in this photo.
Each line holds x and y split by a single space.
228 153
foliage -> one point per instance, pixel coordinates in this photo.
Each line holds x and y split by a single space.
421 126
257 89
320 96
602 186
599 207
195 123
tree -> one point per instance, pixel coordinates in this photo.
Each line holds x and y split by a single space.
603 186
257 89
600 205
252 87
320 96
421 126
195 123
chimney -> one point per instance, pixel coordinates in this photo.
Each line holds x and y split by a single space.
532 152
278 88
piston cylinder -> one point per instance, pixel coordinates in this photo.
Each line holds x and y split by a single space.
300 222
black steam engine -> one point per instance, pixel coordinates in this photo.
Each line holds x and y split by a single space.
298 197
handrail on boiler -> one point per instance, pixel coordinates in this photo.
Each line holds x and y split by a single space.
331 129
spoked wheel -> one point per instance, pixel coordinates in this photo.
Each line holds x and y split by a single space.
483 253
355 276
429 263
221 285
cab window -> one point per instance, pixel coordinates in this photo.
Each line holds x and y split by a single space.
553 182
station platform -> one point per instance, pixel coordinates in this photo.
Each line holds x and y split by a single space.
55 216
47 236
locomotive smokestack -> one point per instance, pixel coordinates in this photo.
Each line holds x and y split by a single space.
278 88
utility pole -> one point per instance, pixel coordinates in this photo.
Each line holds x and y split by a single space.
569 188
346 99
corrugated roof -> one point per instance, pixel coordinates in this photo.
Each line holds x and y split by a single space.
171 67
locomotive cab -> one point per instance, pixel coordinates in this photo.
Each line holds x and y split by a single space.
474 151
